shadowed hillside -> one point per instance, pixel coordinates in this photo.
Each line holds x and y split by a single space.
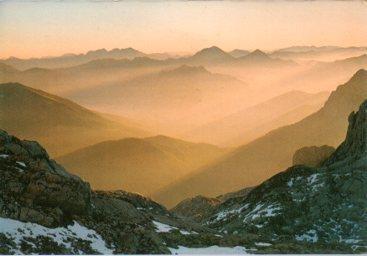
139 165
253 122
60 124
191 93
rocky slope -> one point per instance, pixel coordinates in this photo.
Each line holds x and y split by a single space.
196 208
306 209
199 208
46 210
139 165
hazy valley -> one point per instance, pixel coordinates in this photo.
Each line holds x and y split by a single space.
205 135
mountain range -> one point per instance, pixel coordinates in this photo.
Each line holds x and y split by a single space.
46 210
210 53
160 97
207 55
252 163
313 53
68 60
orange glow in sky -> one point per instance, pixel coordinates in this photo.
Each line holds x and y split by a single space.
45 28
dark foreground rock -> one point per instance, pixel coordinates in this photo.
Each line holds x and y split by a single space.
36 189
196 208
199 208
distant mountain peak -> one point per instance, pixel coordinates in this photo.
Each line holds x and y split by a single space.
346 93
258 53
115 53
212 52
212 49
360 74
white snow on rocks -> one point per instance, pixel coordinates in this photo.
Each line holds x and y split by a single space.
309 236
164 228
224 214
21 164
263 244
212 250
17 230
312 179
290 183
262 211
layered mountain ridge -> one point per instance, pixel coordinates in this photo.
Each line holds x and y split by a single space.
44 209
250 164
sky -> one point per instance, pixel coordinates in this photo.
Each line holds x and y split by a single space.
50 28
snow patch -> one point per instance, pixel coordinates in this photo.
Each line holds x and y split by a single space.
21 164
164 228
290 183
213 250
312 179
263 244
351 241
17 231
309 236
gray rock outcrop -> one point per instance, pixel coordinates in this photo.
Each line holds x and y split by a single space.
35 188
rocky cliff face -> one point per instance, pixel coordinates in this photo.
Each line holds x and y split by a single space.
305 209
35 188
